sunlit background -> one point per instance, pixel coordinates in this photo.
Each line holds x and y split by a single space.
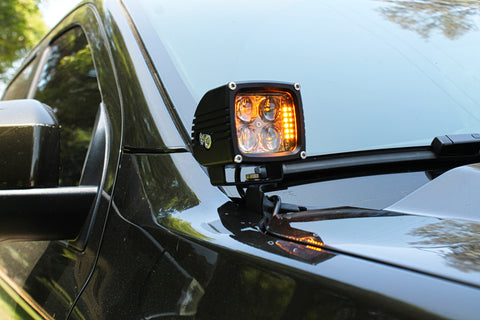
18 37
54 10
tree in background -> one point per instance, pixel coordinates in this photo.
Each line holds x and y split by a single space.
21 27
456 242
453 18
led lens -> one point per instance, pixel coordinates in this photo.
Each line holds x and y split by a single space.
270 138
244 108
269 108
247 138
266 121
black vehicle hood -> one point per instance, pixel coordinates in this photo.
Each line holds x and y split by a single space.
435 230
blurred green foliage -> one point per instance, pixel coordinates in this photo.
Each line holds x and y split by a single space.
21 27
12 306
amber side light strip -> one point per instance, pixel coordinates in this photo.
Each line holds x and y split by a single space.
289 129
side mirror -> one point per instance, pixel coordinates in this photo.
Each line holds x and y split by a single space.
33 207
29 145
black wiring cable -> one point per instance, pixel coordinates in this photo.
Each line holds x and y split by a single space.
241 192
278 205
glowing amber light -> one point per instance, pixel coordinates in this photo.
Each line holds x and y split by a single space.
307 240
302 251
314 248
271 118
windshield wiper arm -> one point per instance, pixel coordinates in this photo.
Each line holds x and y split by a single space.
445 152
360 158
456 144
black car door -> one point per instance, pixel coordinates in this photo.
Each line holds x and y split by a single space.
72 73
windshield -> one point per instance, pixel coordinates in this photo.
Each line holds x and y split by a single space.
374 74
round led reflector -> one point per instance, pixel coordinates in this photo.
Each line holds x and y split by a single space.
269 108
270 138
247 138
244 109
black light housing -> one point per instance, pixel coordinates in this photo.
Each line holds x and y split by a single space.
248 123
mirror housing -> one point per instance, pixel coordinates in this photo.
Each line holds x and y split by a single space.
34 208
29 145
44 213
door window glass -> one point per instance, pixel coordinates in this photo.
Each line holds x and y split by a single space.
68 84
19 87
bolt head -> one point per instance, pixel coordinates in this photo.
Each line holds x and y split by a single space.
238 159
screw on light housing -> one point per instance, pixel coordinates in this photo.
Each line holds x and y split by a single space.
248 123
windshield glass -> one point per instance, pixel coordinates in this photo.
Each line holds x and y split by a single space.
374 74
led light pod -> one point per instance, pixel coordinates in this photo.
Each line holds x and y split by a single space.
254 122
